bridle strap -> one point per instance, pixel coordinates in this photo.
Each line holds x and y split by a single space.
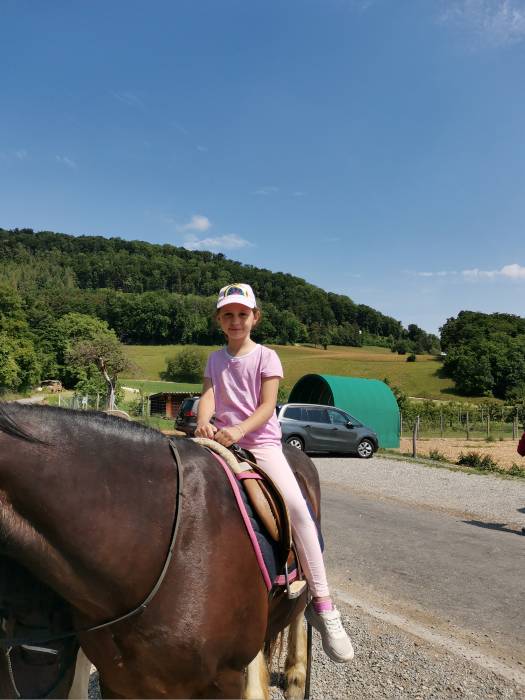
7 643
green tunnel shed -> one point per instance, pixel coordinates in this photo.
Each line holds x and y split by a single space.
369 400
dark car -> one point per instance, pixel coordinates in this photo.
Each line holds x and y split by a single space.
316 428
186 419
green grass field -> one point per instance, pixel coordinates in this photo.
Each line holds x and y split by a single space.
421 378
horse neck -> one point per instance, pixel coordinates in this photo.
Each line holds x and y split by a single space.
63 506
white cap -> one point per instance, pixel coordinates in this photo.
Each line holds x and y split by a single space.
237 294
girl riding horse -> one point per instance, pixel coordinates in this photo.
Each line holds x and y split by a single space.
240 388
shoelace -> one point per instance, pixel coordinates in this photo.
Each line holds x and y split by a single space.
334 626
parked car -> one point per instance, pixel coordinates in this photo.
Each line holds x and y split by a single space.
316 428
52 385
186 419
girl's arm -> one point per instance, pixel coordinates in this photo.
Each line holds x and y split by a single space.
205 411
262 414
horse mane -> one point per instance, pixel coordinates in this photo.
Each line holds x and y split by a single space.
11 413
10 427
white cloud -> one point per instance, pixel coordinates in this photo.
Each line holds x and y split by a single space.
229 241
513 271
266 190
180 128
128 98
440 273
202 149
65 160
493 22
196 223
21 154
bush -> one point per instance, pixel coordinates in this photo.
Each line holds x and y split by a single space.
516 470
477 461
437 456
187 366
411 358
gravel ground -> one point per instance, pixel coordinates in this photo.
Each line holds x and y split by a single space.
488 497
389 662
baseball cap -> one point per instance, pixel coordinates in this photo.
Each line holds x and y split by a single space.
237 294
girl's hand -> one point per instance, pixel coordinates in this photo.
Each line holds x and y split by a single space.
228 436
207 430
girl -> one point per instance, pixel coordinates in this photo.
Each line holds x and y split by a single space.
240 388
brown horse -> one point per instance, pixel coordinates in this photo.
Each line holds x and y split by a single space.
87 505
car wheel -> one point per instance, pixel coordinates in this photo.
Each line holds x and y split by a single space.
365 449
296 442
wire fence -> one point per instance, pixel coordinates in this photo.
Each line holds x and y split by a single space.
136 409
425 420
478 422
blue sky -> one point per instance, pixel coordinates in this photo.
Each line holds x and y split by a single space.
374 148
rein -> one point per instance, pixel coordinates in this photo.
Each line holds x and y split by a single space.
7 643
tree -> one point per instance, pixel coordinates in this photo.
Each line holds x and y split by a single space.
470 370
187 366
100 348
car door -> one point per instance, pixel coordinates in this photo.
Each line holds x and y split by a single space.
317 426
341 437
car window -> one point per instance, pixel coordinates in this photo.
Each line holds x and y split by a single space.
293 412
317 415
337 418
352 419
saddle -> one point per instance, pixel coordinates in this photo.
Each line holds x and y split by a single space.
268 504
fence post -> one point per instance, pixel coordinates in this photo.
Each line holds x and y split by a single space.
488 424
468 427
415 432
515 425
441 423
400 424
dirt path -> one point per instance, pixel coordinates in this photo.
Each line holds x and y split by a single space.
503 452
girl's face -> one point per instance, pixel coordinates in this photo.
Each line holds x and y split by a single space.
237 321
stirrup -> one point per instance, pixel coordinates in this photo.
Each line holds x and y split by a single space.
295 588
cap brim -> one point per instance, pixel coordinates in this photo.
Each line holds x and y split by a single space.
236 299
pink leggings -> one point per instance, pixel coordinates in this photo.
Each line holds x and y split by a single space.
272 460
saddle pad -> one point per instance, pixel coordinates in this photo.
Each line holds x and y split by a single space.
266 550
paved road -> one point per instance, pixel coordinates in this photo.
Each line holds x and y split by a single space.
447 573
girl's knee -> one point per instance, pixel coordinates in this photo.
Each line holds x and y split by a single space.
299 514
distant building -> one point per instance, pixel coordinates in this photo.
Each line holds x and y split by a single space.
168 403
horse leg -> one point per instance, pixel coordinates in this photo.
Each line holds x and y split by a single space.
79 687
295 667
257 679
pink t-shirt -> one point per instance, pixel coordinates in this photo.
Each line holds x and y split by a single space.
237 389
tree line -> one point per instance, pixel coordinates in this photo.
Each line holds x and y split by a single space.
486 354
156 294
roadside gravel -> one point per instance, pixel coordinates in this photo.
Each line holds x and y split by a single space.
392 664
488 498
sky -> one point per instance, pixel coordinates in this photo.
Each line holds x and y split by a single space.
374 148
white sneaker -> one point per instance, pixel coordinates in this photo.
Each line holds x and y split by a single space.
336 642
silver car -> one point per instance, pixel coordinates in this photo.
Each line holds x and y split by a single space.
316 428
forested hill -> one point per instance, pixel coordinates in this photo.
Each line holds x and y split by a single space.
163 293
